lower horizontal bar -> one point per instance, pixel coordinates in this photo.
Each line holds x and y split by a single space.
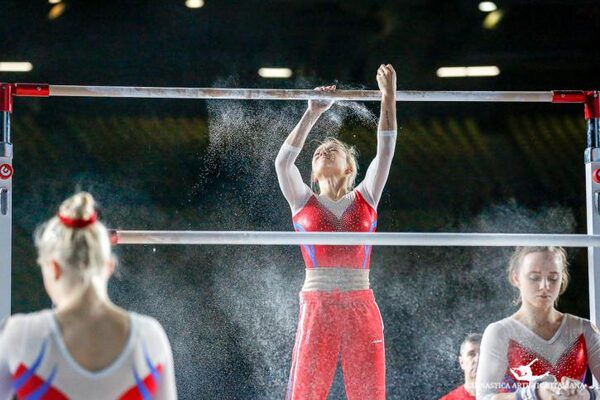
347 238
295 94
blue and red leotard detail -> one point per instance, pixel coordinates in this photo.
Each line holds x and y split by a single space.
28 385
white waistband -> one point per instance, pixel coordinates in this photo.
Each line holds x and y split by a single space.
343 279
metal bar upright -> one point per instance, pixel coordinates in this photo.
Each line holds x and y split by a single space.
592 177
6 173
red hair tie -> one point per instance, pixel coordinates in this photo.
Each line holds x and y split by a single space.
78 223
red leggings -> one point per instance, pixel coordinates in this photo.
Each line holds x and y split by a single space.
335 325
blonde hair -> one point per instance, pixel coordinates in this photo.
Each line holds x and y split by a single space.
559 254
80 250
351 156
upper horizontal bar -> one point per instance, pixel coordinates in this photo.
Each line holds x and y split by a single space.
347 238
44 90
292 94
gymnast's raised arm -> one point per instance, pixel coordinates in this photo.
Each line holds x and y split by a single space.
293 187
378 171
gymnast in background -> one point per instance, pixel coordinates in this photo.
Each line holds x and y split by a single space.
86 347
538 352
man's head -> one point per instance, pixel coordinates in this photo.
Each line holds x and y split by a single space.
469 356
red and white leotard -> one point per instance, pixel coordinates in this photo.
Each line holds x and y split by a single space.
512 355
359 216
35 363
355 212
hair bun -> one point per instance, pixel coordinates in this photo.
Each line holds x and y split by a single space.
79 206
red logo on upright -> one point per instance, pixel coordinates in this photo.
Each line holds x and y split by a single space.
6 171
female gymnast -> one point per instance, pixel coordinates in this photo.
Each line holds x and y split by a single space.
86 347
339 318
538 352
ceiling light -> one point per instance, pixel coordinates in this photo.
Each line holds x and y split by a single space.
57 11
463 72
275 72
491 70
487 6
492 20
54 1
15 66
194 3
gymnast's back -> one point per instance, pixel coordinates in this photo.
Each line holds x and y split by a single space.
36 363
86 347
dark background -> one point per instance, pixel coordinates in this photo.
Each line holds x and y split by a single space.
182 164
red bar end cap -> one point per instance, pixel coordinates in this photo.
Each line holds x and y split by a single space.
569 96
6 92
592 104
32 89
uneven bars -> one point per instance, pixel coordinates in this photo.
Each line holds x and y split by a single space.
347 238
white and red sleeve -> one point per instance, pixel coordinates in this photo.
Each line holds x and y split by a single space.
167 389
493 361
377 174
591 334
295 191
13 332
5 377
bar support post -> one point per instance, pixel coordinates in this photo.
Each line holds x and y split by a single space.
6 173
592 178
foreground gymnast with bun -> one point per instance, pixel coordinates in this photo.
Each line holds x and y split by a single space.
85 348
538 352
338 314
